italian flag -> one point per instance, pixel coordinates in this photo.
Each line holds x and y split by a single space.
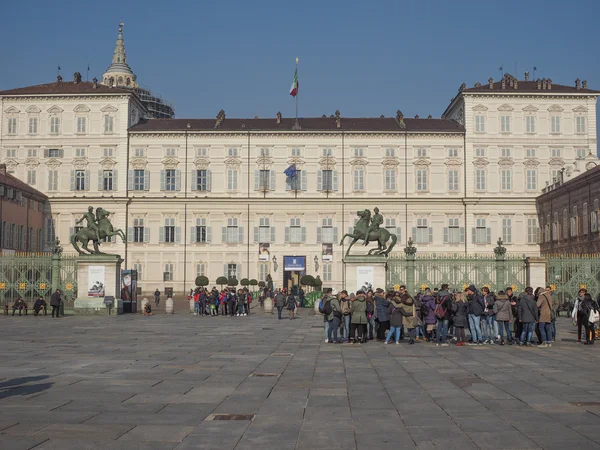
294 88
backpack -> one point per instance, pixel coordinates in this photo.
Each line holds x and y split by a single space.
325 307
345 305
424 310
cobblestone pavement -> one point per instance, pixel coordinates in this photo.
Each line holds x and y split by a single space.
165 382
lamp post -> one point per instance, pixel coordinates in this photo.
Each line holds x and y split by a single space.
316 263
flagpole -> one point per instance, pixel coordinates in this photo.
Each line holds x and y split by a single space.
296 123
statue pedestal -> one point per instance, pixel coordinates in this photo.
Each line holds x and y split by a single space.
363 269
98 276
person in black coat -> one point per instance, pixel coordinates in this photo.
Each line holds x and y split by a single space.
587 306
40 304
528 315
55 300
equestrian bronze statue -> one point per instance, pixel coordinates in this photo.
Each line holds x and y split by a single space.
98 227
367 229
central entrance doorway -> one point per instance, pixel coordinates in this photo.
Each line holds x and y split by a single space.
294 268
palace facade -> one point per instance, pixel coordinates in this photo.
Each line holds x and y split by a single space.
210 197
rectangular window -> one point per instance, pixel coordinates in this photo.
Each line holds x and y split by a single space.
327 152
264 152
32 153
168 273
530 152
480 181
201 152
479 124
327 271
31 177
506 152
12 125
390 179
139 269
452 153
556 152
80 152
296 152
584 219
453 180
33 125
170 230
481 232
531 176
421 153
530 124
507 230
170 180
327 230
200 270
580 153
201 232
480 152
574 223
295 230
171 152
232 152
422 180
359 179
263 271
264 177
506 179
107 180
454 230
11 152
297 182
202 180
81 124
390 152
505 124
80 180
359 152
139 180
53 180
555 124
108 152
233 233
54 153
109 124
54 125
138 230
327 180
422 231
232 270
232 177
580 124
140 152
264 230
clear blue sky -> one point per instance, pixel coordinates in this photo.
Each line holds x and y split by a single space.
363 58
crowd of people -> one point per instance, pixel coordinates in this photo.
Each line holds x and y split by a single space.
227 302
39 306
440 316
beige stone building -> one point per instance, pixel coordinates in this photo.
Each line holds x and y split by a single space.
210 197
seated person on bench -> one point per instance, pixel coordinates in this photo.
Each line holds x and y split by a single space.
20 305
39 304
147 309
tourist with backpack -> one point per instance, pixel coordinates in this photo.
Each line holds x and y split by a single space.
428 304
395 313
279 303
324 308
410 316
358 322
333 311
528 316
443 314
503 311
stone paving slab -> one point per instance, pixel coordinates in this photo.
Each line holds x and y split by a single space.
154 383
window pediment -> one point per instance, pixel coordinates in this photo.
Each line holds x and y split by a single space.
109 109
33 110
80 163
453 162
53 163
81 109
139 163
422 162
359 162
11 110
590 165
480 108
555 108
327 161
232 162
32 162
55 110
530 109
390 162
108 163
480 162
505 161
296 161
556 162
531 163
264 160
580 109
505 108
170 163
201 163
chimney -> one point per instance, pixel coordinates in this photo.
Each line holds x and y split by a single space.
477 84
76 78
220 118
584 84
539 83
549 81
400 118
58 79
337 119
503 83
491 81
526 76
577 84
430 116
2 169
95 80
416 116
516 84
278 118
544 84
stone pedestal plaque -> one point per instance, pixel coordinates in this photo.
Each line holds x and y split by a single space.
364 271
98 276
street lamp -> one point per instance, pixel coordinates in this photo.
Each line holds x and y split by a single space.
316 263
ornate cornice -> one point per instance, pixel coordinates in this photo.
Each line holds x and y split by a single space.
12 110
480 162
32 163
139 163
170 163
54 109
359 162
531 163
422 162
53 163
505 161
81 109
109 109
33 110
295 160
80 163
556 162
108 163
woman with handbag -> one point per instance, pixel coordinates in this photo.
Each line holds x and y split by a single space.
410 317
577 314
590 310
544 304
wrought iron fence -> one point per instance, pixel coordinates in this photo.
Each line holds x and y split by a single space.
496 271
567 274
33 275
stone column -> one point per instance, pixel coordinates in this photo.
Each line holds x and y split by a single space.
536 271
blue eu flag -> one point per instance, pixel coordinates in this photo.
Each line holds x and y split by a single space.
290 171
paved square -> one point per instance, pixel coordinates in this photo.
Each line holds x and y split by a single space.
166 382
